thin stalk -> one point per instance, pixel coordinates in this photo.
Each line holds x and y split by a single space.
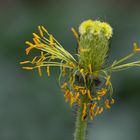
81 126
124 59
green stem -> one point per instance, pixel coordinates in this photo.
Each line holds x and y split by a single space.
124 59
81 126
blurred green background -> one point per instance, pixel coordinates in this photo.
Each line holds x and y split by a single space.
33 108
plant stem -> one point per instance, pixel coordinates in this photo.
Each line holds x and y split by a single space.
81 126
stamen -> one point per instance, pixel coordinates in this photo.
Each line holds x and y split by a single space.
84 50
51 40
92 107
71 101
135 48
63 71
81 70
41 45
98 98
79 101
29 43
78 87
71 79
91 113
41 33
97 111
64 85
39 71
68 95
107 104
77 95
24 62
83 91
102 92
89 95
35 35
112 101
36 40
27 68
27 50
42 55
75 33
48 70
74 99
39 60
43 28
107 81
71 64
84 112
101 110
90 69
33 61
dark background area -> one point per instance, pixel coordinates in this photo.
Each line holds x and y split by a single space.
33 108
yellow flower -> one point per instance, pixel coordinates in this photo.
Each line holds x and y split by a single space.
85 26
83 82
106 28
96 28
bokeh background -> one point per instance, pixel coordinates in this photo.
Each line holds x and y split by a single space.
33 108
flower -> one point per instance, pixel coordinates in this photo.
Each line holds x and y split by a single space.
85 81
106 29
85 25
96 28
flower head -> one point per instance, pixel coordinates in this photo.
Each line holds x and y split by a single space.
85 81
85 26
96 28
93 43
